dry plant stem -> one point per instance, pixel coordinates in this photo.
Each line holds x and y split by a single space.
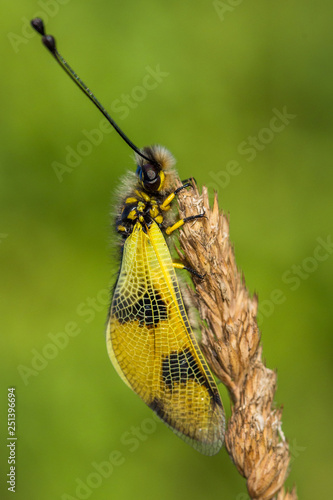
231 345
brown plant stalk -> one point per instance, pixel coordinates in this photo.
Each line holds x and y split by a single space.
231 345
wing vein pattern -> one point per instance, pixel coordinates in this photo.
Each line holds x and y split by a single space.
151 344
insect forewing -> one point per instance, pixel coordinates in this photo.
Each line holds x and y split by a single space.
152 347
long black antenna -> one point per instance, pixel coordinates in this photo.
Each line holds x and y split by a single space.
50 44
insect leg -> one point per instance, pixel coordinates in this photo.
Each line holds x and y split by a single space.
186 184
181 222
121 228
177 265
166 203
189 180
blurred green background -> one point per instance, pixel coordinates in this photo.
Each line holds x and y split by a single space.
224 71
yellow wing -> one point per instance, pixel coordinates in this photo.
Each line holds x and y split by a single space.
152 347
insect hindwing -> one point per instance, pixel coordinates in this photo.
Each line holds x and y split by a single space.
152 347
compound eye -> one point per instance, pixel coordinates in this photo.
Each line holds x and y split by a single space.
150 177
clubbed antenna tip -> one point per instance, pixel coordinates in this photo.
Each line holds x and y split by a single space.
48 40
50 44
38 25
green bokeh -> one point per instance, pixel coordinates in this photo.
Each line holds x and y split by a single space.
224 75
